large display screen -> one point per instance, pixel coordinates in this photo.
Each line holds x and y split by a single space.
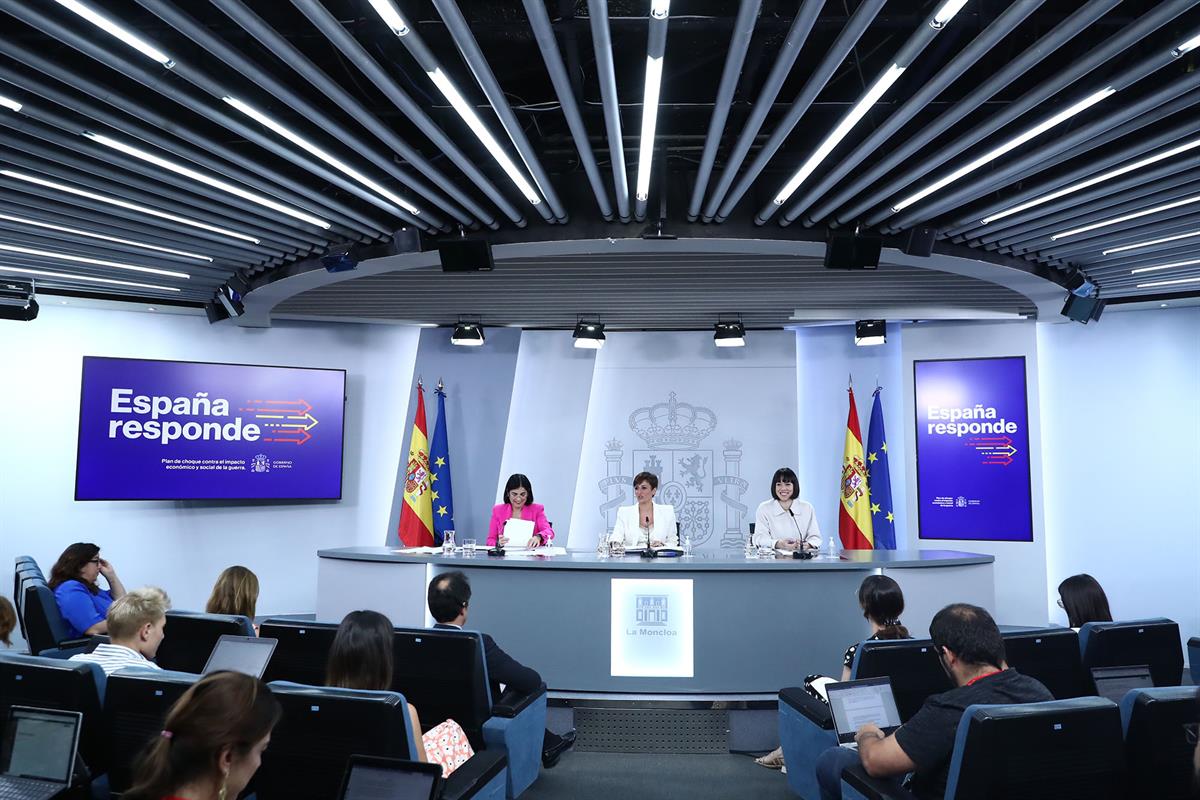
177 430
973 450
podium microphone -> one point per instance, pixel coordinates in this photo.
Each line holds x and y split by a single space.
649 551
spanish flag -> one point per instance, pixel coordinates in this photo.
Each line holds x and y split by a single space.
854 515
416 515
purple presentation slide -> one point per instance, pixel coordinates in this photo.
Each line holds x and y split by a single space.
176 430
973 450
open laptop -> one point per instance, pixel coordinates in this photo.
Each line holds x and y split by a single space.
37 755
245 654
376 778
1115 682
856 703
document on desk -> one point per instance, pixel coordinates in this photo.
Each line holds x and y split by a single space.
548 550
518 531
418 551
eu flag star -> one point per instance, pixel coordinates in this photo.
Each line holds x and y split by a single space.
433 479
875 508
434 495
873 457
883 447
440 462
891 517
441 511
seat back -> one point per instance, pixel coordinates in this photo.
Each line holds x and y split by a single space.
1061 749
1144 641
1051 655
913 666
190 638
136 702
302 650
1194 659
1156 745
59 684
443 674
320 729
22 576
44 624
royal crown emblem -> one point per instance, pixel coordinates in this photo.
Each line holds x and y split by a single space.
673 425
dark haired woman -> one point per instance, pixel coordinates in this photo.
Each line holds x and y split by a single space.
211 743
646 521
1084 600
517 503
361 658
785 522
80 599
881 602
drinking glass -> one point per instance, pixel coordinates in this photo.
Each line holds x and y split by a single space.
618 547
468 547
602 545
687 545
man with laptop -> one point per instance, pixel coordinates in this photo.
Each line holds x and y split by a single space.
971 651
136 627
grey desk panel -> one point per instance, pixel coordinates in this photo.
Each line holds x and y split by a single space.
759 625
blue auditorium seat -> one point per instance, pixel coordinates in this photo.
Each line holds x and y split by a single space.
1154 642
1051 655
1060 749
190 638
301 650
1194 659
55 683
45 629
136 701
322 727
1157 749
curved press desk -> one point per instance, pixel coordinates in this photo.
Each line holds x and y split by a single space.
757 625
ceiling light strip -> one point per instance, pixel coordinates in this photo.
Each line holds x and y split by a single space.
320 153
90 234
1101 178
1126 217
69 277
207 180
124 34
1011 144
654 67
127 205
29 251
1152 242
1175 282
9 103
1157 267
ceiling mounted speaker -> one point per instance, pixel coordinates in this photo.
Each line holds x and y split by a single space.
1083 309
919 241
465 255
852 251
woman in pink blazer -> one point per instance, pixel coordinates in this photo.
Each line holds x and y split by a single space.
517 502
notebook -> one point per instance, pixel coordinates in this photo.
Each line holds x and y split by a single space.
245 654
1115 682
856 703
376 778
37 755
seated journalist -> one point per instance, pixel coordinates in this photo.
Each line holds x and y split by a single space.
449 601
136 627
971 652
646 520
80 599
786 522
517 503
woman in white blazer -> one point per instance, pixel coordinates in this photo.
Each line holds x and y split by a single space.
785 522
646 518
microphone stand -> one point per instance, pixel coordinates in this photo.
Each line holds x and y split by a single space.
649 551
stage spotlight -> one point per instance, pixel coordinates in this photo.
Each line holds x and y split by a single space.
1078 284
589 335
1083 309
231 301
467 334
17 302
339 259
869 332
729 334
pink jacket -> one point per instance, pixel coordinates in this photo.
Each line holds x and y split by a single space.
537 513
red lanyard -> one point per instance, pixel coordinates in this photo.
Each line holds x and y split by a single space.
985 675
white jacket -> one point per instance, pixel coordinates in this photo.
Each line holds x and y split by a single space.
629 528
773 522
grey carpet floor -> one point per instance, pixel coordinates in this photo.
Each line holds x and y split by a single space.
621 776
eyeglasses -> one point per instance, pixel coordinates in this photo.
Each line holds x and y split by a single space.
95 561
1191 732
1060 604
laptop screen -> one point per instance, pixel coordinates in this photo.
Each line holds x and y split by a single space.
1115 682
245 654
40 744
856 703
379 779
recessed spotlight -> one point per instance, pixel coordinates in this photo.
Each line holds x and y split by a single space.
467 334
729 334
589 335
151 308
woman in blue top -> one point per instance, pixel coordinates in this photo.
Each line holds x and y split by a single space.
82 603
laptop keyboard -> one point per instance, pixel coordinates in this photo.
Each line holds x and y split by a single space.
13 788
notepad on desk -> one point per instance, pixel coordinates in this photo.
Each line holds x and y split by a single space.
518 531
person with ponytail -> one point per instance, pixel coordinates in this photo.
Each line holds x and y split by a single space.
211 743
882 603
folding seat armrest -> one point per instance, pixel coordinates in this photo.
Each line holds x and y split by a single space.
511 704
808 706
858 785
520 738
483 777
71 647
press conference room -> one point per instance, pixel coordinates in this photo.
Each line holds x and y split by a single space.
771 398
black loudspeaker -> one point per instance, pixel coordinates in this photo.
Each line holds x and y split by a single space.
1083 309
465 255
919 241
851 251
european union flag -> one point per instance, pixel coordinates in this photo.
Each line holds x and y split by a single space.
439 467
879 480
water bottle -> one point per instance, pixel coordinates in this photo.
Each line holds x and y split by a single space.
750 550
448 543
831 548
